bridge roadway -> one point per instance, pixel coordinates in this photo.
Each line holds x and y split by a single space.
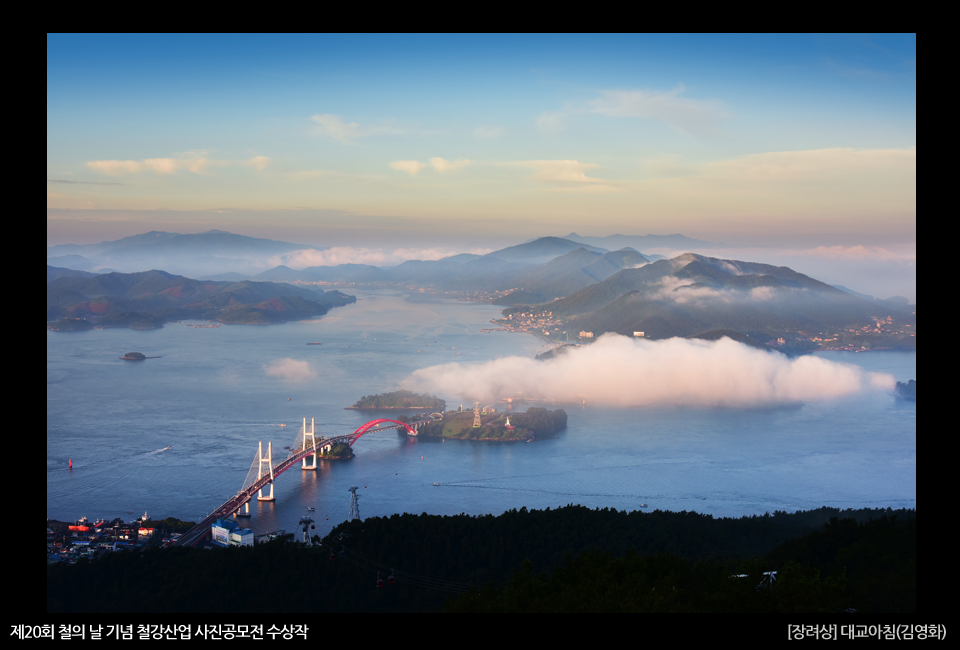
196 534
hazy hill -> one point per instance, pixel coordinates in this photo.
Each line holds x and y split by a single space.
429 271
119 299
567 274
214 251
896 302
541 250
54 272
691 294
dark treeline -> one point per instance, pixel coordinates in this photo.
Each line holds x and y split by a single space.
907 390
569 559
400 399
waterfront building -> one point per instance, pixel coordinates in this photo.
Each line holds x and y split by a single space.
229 533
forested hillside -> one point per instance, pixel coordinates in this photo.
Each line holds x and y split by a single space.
569 559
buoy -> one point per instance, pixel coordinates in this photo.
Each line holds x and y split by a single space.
421 458
70 461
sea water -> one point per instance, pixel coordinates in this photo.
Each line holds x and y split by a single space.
216 392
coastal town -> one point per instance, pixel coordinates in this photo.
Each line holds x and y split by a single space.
83 539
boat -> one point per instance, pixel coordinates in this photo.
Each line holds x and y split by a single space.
436 484
166 448
283 425
643 505
314 343
310 508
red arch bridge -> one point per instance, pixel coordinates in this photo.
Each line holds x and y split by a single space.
263 472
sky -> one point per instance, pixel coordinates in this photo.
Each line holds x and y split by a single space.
800 142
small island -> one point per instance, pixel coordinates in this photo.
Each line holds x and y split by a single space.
907 390
494 426
401 399
338 451
136 356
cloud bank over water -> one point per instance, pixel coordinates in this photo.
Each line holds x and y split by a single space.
290 370
617 370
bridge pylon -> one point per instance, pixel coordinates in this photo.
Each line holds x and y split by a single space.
260 473
313 443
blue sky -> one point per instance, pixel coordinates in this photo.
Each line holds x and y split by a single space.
471 140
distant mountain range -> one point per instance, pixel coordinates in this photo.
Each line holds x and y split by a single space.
214 251
220 255
588 285
147 300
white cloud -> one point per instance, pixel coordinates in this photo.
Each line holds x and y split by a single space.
196 164
290 370
859 252
692 116
625 371
412 167
258 162
442 165
115 167
373 256
334 127
566 175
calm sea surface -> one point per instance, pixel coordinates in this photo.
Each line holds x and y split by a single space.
210 399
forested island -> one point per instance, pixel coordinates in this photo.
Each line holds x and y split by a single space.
907 390
147 300
339 450
400 399
571 559
536 422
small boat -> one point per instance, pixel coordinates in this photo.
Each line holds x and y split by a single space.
283 425
310 508
643 505
436 484
166 448
314 343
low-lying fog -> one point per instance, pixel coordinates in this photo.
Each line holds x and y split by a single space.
618 370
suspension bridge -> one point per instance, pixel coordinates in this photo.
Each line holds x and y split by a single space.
264 471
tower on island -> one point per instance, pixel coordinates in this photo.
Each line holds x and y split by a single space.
508 425
476 415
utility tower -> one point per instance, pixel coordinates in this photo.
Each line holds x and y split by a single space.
476 415
306 522
260 473
312 444
354 506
